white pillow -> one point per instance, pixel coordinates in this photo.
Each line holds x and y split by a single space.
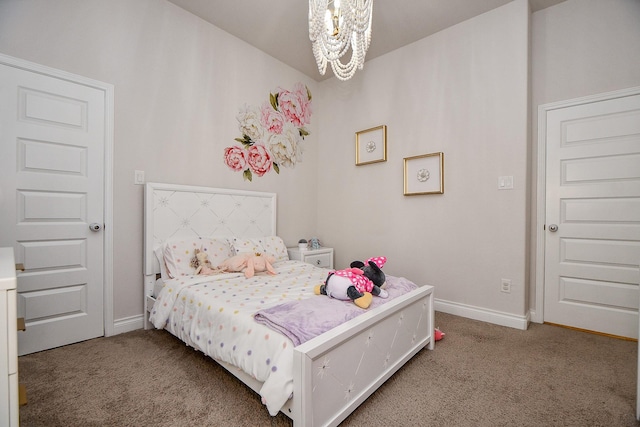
241 246
178 254
274 246
218 250
270 245
159 253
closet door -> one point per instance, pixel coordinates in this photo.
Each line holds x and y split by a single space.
52 140
592 237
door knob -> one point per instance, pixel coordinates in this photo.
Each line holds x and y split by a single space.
94 226
553 228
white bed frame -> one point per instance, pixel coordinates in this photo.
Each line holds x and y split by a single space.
334 372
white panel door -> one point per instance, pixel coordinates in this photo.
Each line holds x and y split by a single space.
592 242
52 138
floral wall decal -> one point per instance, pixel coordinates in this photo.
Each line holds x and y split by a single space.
272 135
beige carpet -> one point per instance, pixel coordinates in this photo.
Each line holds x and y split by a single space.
478 375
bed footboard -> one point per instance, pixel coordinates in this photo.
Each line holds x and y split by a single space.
336 371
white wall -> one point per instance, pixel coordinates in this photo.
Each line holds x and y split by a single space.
178 85
179 82
580 48
462 91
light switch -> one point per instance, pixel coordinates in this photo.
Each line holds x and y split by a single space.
138 177
505 182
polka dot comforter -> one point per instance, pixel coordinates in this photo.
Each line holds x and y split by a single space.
214 314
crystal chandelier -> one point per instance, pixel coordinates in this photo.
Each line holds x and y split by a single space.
336 25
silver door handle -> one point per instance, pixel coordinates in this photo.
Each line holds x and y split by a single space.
94 226
553 228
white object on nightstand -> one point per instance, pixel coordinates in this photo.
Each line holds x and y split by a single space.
321 257
9 339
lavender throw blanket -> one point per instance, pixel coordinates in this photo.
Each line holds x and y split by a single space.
302 320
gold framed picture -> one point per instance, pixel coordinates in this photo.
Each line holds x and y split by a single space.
424 174
371 145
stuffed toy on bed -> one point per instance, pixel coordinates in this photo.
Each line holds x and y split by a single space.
356 284
249 263
201 263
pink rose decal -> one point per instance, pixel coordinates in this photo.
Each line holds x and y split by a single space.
272 135
271 119
259 159
295 105
234 157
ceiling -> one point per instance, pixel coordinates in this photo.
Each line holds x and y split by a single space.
280 27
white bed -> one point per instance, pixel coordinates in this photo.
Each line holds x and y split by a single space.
329 375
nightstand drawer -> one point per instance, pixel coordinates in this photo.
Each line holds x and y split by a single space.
321 257
320 260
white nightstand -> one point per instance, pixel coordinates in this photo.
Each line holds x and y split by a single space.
322 257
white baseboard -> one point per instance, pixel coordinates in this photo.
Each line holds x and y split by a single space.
535 316
127 324
482 314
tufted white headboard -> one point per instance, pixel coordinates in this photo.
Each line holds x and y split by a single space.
178 211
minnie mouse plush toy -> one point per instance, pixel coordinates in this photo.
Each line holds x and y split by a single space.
359 283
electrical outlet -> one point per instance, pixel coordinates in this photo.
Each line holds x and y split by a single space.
505 286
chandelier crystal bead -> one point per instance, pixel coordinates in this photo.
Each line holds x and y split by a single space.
334 27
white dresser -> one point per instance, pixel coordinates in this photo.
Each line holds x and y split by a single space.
9 340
